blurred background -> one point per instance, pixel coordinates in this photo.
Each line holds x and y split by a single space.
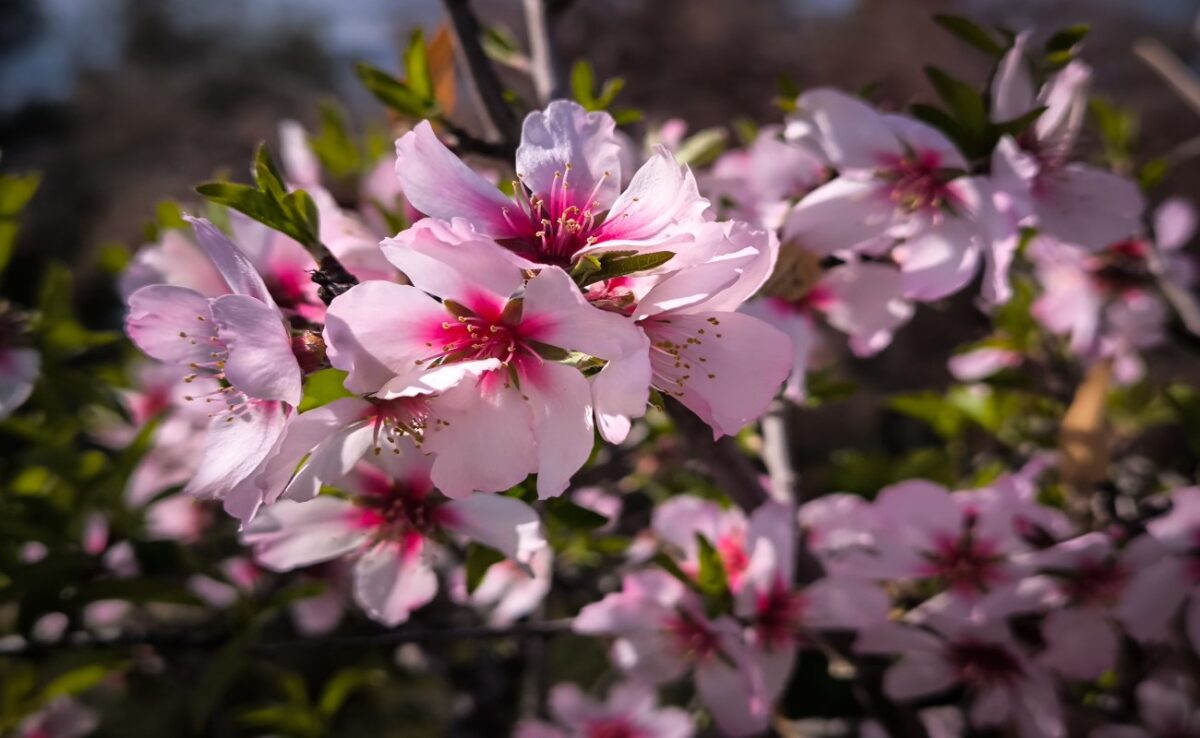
123 103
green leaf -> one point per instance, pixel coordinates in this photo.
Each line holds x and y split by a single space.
609 91
333 146
575 517
15 192
75 681
1185 401
670 566
1067 39
625 116
711 577
323 387
1152 173
942 121
416 65
266 173
343 684
964 101
583 84
479 560
702 147
394 93
500 44
971 34
612 267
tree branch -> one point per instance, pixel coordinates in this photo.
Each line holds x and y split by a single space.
777 452
484 85
721 459
543 63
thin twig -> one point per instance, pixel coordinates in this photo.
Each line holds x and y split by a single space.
481 77
777 452
191 640
721 459
543 64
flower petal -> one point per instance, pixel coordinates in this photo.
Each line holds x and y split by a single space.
236 445
440 185
506 524
852 133
453 261
1088 207
839 216
290 535
565 144
661 197
391 580
171 324
261 362
230 261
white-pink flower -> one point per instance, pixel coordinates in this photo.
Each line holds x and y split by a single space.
386 527
568 201
630 711
241 338
527 412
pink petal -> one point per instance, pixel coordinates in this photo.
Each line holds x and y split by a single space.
391 580
867 304
560 400
1080 644
236 446
1088 207
939 260
290 535
503 523
917 674
261 362
1174 224
18 371
839 216
1152 598
620 391
486 443
925 140
230 261
1179 530
307 431
982 362
379 329
172 324
331 461
453 261
1012 86
300 164
556 313
842 603
725 367
661 196
565 143
853 135
1066 99
726 692
440 185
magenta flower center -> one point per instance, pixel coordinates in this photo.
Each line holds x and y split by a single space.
965 563
916 182
396 510
611 728
1096 582
553 227
778 612
1122 267
693 639
984 664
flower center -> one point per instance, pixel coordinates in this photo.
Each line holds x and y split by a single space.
1096 582
693 639
553 227
1121 267
965 563
611 728
402 416
916 181
984 664
395 510
778 612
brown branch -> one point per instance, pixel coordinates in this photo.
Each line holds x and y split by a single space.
481 77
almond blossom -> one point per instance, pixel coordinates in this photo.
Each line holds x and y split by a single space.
388 527
567 201
630 711
243 340
527 412
1068 200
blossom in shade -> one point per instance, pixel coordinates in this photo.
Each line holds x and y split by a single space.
240 339
386 527
62 717
631 710
1167 707
1070 201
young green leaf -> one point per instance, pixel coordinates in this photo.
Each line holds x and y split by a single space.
416 66
973 35
612 267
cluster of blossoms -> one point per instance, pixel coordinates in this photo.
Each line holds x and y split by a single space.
366 436
482 344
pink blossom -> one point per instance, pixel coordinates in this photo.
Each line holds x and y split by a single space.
1167 709
1070 201
63 717
525 413
661 633
19 369
568 200
631 711
509 591
897 182
946 648
386 527
241 338
1160 590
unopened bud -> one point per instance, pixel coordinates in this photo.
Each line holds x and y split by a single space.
309 350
